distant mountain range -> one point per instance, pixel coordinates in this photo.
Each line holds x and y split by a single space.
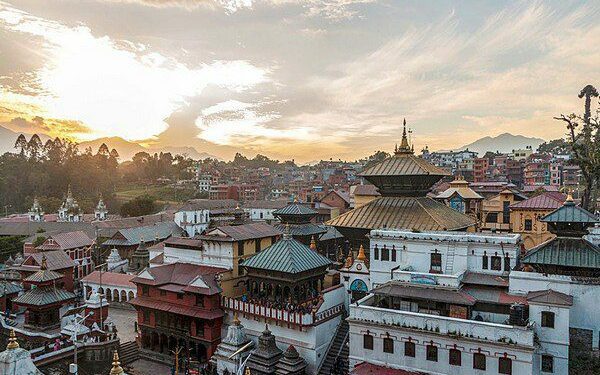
126 149
503 143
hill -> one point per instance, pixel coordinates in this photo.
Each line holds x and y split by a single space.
8 138
504 143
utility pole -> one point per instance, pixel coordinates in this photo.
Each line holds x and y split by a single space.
99 267
73 368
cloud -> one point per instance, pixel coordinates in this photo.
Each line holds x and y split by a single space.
115 86
51 127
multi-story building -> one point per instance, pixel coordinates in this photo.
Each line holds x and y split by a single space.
525 217
263 210
522 154
495 211
78 246
480 168
178 307
439 303
194 217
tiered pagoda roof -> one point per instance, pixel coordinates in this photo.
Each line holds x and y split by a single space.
288 256
403 180
568 249
299 217
264 359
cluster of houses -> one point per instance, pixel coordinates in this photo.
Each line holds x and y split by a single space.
409 278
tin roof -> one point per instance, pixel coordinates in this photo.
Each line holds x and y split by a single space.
208 204
412 213
43 276
287 255
565 251
570 213
365 190
398 289
546 201
551 297
55 260
192 311
186 276
406 164
295 209
307 229
42 296
66 241
110 279
9 288
133 236
264 204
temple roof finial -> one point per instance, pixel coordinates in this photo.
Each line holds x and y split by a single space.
313 243
116 369
12 341
404 146
361 253
44 265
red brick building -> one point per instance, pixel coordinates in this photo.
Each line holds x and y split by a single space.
179 305
56 260
480 168
78 246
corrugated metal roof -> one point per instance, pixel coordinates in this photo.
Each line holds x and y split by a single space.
183 274
66 241
43 276
412 213
295 209
133 236
43 296
307 229
403 165
55 259
398 289
550 296
277 204
288 256
248 231
365 190
208 204
193 311
570 213
546 201
565 251
8 288
110 279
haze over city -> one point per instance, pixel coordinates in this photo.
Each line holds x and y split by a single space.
296 80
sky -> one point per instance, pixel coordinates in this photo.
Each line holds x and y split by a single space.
294 79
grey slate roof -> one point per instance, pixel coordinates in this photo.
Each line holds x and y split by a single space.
295 209
43 296
288 256
570 213
148 233
565 251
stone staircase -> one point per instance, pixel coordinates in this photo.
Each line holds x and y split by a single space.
129 352
339 349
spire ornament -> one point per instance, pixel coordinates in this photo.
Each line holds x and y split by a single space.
116 369
12 341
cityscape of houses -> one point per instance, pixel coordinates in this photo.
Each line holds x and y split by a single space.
441 263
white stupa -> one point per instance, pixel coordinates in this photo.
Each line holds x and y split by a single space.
17 361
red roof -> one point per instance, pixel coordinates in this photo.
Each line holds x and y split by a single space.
193 311
110 279
366 368
66 241
55 259
183 277
546 201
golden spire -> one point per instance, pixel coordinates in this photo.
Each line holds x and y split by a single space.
12 341
236 320
569 197
404 146
247 372
116 369
361 254
313 244
44 265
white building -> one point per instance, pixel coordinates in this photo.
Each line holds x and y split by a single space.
194 217
36 213
101 212
69 210
263 210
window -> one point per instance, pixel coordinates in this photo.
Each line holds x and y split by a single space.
432 353
199 300
240 248
547 319
547 363
393 253
506 212
436 262
528 224
506 263
257 245
146 316
179 295
496 263
388 345
478 361
454 357
385 253
163 293
409 349
484 261
492 217
376 251
505 366
368 342
145 290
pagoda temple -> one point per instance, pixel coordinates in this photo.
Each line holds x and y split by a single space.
403 180
299 219
287 271
291 363
568 253
45 298
264 359
233 349
140 258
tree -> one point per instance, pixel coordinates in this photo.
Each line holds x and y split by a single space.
584 140
142 205
34 146
554 147
21 144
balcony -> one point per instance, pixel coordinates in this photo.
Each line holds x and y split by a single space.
469 329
